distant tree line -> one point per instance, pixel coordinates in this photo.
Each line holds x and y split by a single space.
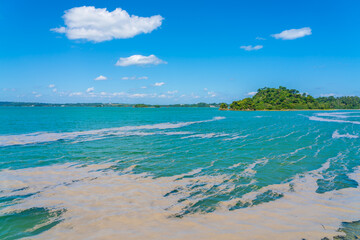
283 98
201 104
339 102
141 105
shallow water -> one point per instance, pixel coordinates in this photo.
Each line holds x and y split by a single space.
175 173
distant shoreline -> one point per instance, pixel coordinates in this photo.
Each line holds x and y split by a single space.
115 105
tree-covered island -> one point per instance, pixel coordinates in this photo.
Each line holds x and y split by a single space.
286 99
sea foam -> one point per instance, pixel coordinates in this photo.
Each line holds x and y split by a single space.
42 137
347 135
337 117
103 204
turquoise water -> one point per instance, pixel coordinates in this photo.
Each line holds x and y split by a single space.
175 173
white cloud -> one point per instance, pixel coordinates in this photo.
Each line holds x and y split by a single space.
260 38
51 85
144 87
328 95
75 94
252 48
134 78
54 90
91 89
139 60
100 78
137 95
212 94
293 33
98 24
251 93
119 94
59 30
127 95
38 95
159 84
162 96
205 89
172 92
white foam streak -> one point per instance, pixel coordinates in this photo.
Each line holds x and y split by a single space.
332 114
285 136
250 169
42 137
337 117
236 137
206 135
347 135
337 114
313 118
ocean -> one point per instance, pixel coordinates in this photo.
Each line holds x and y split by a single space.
178 173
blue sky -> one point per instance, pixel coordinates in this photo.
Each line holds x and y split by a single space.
176 51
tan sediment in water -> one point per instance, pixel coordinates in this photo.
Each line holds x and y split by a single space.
109 205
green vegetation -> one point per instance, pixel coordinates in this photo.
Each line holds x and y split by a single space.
223 106
245 104
141 106
339 102
282 98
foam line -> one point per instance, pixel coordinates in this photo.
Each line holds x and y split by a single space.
347 135
42 137
319 119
